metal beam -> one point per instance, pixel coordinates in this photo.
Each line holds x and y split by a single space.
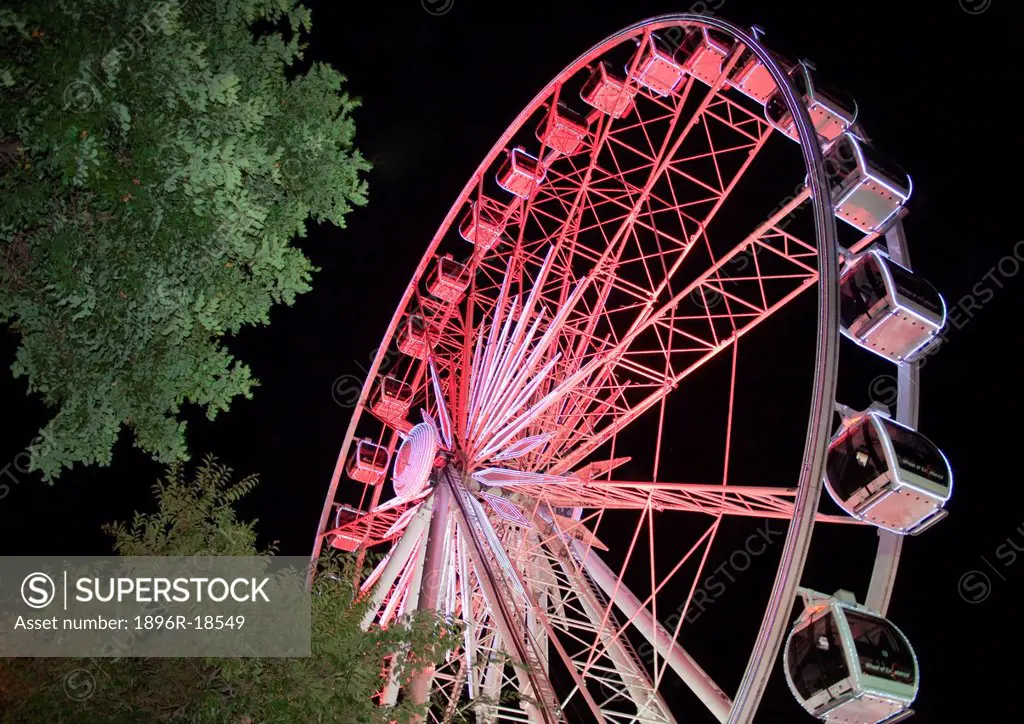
429 585
890 545
502 603
399 558
798 539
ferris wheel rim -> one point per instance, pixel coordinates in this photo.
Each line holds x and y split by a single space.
828 260
500 146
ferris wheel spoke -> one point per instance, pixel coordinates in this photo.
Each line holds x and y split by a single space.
564 607
592 574
505 596
672 653
476 670
686 355
615 246
709 498
480 668
643 615
643 201
398 568
692 330
574 609
691 333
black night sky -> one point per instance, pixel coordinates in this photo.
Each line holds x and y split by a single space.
938 85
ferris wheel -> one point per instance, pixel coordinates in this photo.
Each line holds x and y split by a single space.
510 448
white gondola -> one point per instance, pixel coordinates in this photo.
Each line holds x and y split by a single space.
413 336
845 663
449 280
346 540
392 399
703 52
831 113
483 224
887 474
888 309
368 462
867 191
563 130
608 93
654 67
521 173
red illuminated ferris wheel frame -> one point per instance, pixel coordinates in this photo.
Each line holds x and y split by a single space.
424 384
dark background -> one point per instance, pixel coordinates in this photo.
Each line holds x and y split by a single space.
938 85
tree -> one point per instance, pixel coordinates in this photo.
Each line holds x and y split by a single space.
197 517
156 161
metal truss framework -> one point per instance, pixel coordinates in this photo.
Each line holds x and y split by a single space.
603 291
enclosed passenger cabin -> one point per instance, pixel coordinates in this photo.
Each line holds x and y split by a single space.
887 474
655 67
391 399
346 540
752 78
867 190
449 280
563 130
413 336
703 52
368 462
844 663
832 111
888 309
608 92
521 174
483 224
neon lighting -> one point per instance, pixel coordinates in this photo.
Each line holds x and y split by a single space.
467 614
496 549
524 446
398 502
891 451
515 427
442 406
517 424
863 687
505 478
474 382
414 461
506 509
511 387
896 306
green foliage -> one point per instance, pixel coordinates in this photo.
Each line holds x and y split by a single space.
193 517
335 684
156 161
